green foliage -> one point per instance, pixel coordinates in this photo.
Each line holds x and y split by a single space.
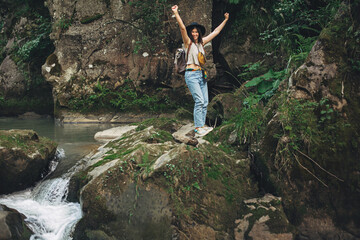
249 123
268 81
266 85
293 22
127 99
308 127
32 43
281 28
15 106
64 23
250 70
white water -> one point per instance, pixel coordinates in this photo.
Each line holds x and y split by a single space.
47 212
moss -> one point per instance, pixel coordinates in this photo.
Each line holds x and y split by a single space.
205 187
166 124
160 136
28 141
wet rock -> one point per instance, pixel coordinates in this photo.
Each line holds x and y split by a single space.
30 115
12 225
76 117
24 158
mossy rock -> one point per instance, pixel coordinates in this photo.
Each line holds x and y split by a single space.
143 189
319 172
24 158
167 124
224 107
264 217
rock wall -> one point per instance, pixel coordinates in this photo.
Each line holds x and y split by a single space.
319 178
116 44
24 46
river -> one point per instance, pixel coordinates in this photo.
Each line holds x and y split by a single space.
47 212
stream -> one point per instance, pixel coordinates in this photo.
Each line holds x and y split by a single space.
47 212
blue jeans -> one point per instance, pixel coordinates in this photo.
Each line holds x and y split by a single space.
199 91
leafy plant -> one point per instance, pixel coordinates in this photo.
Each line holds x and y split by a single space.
295 21
249 123
266 85
125 100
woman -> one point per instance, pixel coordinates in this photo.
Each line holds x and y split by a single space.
192 36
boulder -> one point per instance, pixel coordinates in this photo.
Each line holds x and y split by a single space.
113 133
263 219
145 185
12 225
24 159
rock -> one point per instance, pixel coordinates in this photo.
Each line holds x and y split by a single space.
186 135
24 158
76 117
320 175
263 219
30 115
317 228
12 82
145 184
224 107
113 133
105 46
12 225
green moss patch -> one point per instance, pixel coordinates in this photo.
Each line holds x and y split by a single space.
28 141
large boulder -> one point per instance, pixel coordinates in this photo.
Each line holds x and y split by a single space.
24 159
12 225
144 185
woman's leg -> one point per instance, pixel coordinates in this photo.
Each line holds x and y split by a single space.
193 80
204 90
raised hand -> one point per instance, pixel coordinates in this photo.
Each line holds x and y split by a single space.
226 15
175 8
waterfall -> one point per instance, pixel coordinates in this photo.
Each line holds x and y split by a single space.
47 212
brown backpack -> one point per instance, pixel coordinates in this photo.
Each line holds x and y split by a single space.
181 59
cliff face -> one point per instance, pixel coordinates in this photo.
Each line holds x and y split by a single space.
24 45
309 154
120 46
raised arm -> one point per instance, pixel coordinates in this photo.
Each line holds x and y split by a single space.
216 31
183 31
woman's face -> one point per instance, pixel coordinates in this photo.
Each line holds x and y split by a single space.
195 34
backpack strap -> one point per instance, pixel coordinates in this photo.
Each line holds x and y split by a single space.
187 55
